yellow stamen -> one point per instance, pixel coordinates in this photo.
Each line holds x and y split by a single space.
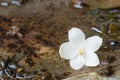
81 51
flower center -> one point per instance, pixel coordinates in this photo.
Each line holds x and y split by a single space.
81 52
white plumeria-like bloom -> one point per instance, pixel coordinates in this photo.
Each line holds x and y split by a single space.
80 51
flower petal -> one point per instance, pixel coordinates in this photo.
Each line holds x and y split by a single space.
93 43
67 51
91 59
77 62
76 36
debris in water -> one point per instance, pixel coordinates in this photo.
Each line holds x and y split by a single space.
16 2
97 30
113 28
77 4
5 4
15 31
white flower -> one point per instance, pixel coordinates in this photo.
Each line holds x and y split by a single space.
80 51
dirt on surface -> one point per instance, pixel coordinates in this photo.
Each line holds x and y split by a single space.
30 36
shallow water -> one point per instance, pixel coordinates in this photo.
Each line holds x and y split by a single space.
33 49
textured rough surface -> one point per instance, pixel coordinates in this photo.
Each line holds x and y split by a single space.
42 25
103 4
94 76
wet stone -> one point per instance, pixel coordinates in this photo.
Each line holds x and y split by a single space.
47 76
51 27
19 56
114 43
43 70
12 66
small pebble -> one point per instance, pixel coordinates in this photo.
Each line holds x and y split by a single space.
19 70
